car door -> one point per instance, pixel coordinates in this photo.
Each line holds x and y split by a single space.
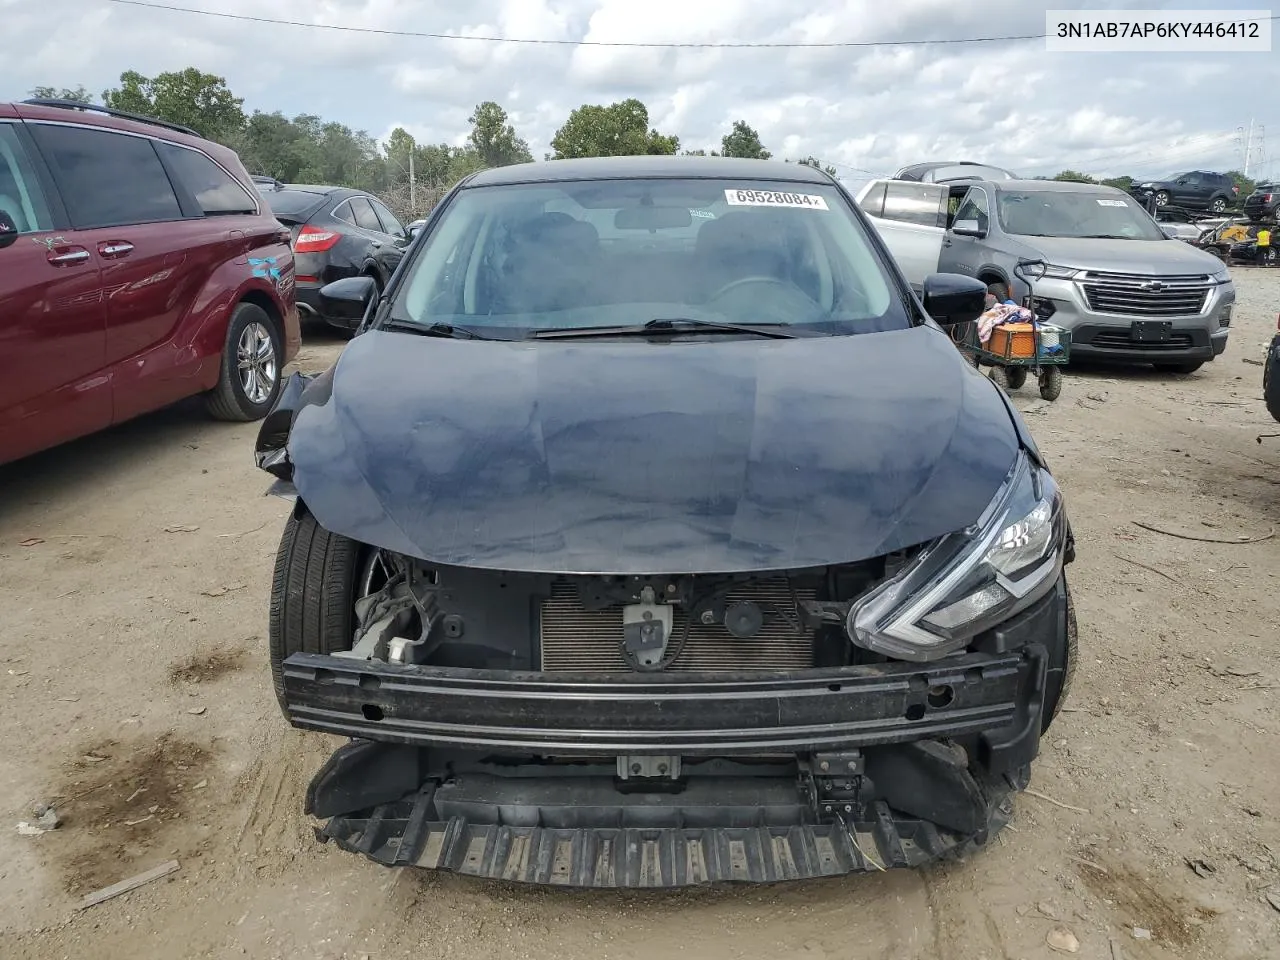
366 221
964 249
390 255
156 251
1189 190
52 312
911 219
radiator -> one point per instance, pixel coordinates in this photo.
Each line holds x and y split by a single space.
574 639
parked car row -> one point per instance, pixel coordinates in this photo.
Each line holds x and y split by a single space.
138 266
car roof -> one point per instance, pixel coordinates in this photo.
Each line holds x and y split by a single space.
648 167
93 115
1052 186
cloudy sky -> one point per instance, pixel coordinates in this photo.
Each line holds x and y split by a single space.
868 110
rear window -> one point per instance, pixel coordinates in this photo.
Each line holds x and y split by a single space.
299 204
969 172
216 191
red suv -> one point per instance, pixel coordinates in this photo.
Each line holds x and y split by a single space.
138 266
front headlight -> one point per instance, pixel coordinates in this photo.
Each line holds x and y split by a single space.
1220 277
1059 273
972 580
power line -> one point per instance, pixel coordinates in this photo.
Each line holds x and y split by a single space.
171 8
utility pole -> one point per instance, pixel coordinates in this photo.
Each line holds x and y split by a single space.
412 183
1248 147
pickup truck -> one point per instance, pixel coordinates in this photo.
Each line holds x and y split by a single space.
1125 290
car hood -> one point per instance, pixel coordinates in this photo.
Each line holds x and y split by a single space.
1154 258
633 457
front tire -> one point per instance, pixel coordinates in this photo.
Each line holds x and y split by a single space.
249 380
1271 382
312 594
1218 205
1162 198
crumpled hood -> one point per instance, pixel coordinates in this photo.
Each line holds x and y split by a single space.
1153 258
632 457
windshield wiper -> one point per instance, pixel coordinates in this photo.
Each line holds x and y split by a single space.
1105 236
776 331
450 330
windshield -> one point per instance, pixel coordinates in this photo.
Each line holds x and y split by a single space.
512 260
1070 213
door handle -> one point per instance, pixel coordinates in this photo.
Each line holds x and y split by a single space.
68 257
115 249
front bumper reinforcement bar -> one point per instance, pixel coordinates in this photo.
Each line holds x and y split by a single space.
687 714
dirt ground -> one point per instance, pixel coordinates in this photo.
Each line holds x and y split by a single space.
134 695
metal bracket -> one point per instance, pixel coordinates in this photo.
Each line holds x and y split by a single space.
649 768
835 784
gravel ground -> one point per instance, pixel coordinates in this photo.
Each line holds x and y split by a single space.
134 694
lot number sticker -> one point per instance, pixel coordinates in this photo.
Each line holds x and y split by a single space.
1112 203
771 198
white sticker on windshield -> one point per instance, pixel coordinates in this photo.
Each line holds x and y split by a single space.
773 198
702 214
1112 203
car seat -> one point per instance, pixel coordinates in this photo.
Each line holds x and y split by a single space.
551 263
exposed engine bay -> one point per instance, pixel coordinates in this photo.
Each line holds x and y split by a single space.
492 620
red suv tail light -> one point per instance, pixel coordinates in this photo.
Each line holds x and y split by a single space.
315 240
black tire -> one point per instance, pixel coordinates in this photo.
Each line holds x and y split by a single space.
1190 366
1050 383
1271 382
1058 688
999 290
312 594
1015 377
1162 198
229 399
1269 257
1217 204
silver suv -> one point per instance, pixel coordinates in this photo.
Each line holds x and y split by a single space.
1125 290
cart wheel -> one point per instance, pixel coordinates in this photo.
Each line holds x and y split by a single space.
1050 383
1015 377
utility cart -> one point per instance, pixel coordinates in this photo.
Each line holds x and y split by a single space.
1014 350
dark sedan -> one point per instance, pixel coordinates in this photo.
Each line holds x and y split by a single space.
653 532
337 232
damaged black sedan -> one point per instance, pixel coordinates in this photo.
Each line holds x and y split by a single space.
652 532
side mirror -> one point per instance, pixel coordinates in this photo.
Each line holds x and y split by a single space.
953 299
348 298
968 228
8 230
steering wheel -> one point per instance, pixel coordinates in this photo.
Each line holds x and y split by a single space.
789 287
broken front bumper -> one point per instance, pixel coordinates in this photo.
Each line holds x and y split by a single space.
779 777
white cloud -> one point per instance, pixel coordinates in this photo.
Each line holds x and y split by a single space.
862 108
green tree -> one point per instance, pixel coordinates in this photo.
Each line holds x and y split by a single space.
1246 185
189 97
494 139
79 94
618 130
1073 176
812 161
743 141
1123 183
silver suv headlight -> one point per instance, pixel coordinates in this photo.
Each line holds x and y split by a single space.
971 580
